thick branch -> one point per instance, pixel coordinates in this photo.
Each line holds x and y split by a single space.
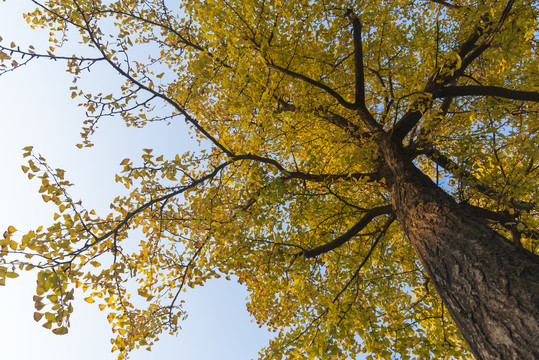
468 52
343 123
372 176
506 220
353 231
147 205
358 63
338 120
498 217
476 90
458 171
446 4
462 173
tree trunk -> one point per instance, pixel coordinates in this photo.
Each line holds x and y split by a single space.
489 285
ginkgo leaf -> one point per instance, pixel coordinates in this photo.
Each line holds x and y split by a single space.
349 155
60 331
37 316
12 275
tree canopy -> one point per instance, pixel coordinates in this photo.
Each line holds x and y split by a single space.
292 190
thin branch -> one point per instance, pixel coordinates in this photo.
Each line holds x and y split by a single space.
353 231
314 83
63 18
145 206
48 56
183 39
167 99
340 121
458 171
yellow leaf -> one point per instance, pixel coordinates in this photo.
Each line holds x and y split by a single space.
60 331
37 316
47 325
110 317
102 307
12 275
89 299
11 229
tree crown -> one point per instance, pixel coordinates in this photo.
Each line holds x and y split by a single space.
289 192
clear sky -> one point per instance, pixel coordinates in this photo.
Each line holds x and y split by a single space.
36 109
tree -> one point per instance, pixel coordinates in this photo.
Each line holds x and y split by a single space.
362 167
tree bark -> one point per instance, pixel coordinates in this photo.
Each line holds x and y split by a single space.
489 285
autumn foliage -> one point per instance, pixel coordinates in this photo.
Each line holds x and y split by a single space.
300 107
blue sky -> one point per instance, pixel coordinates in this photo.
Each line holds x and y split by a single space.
36 109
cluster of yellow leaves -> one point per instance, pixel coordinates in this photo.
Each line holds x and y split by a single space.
212 213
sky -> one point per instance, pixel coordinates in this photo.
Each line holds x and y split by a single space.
36 109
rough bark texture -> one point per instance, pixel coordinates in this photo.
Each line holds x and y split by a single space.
489 285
